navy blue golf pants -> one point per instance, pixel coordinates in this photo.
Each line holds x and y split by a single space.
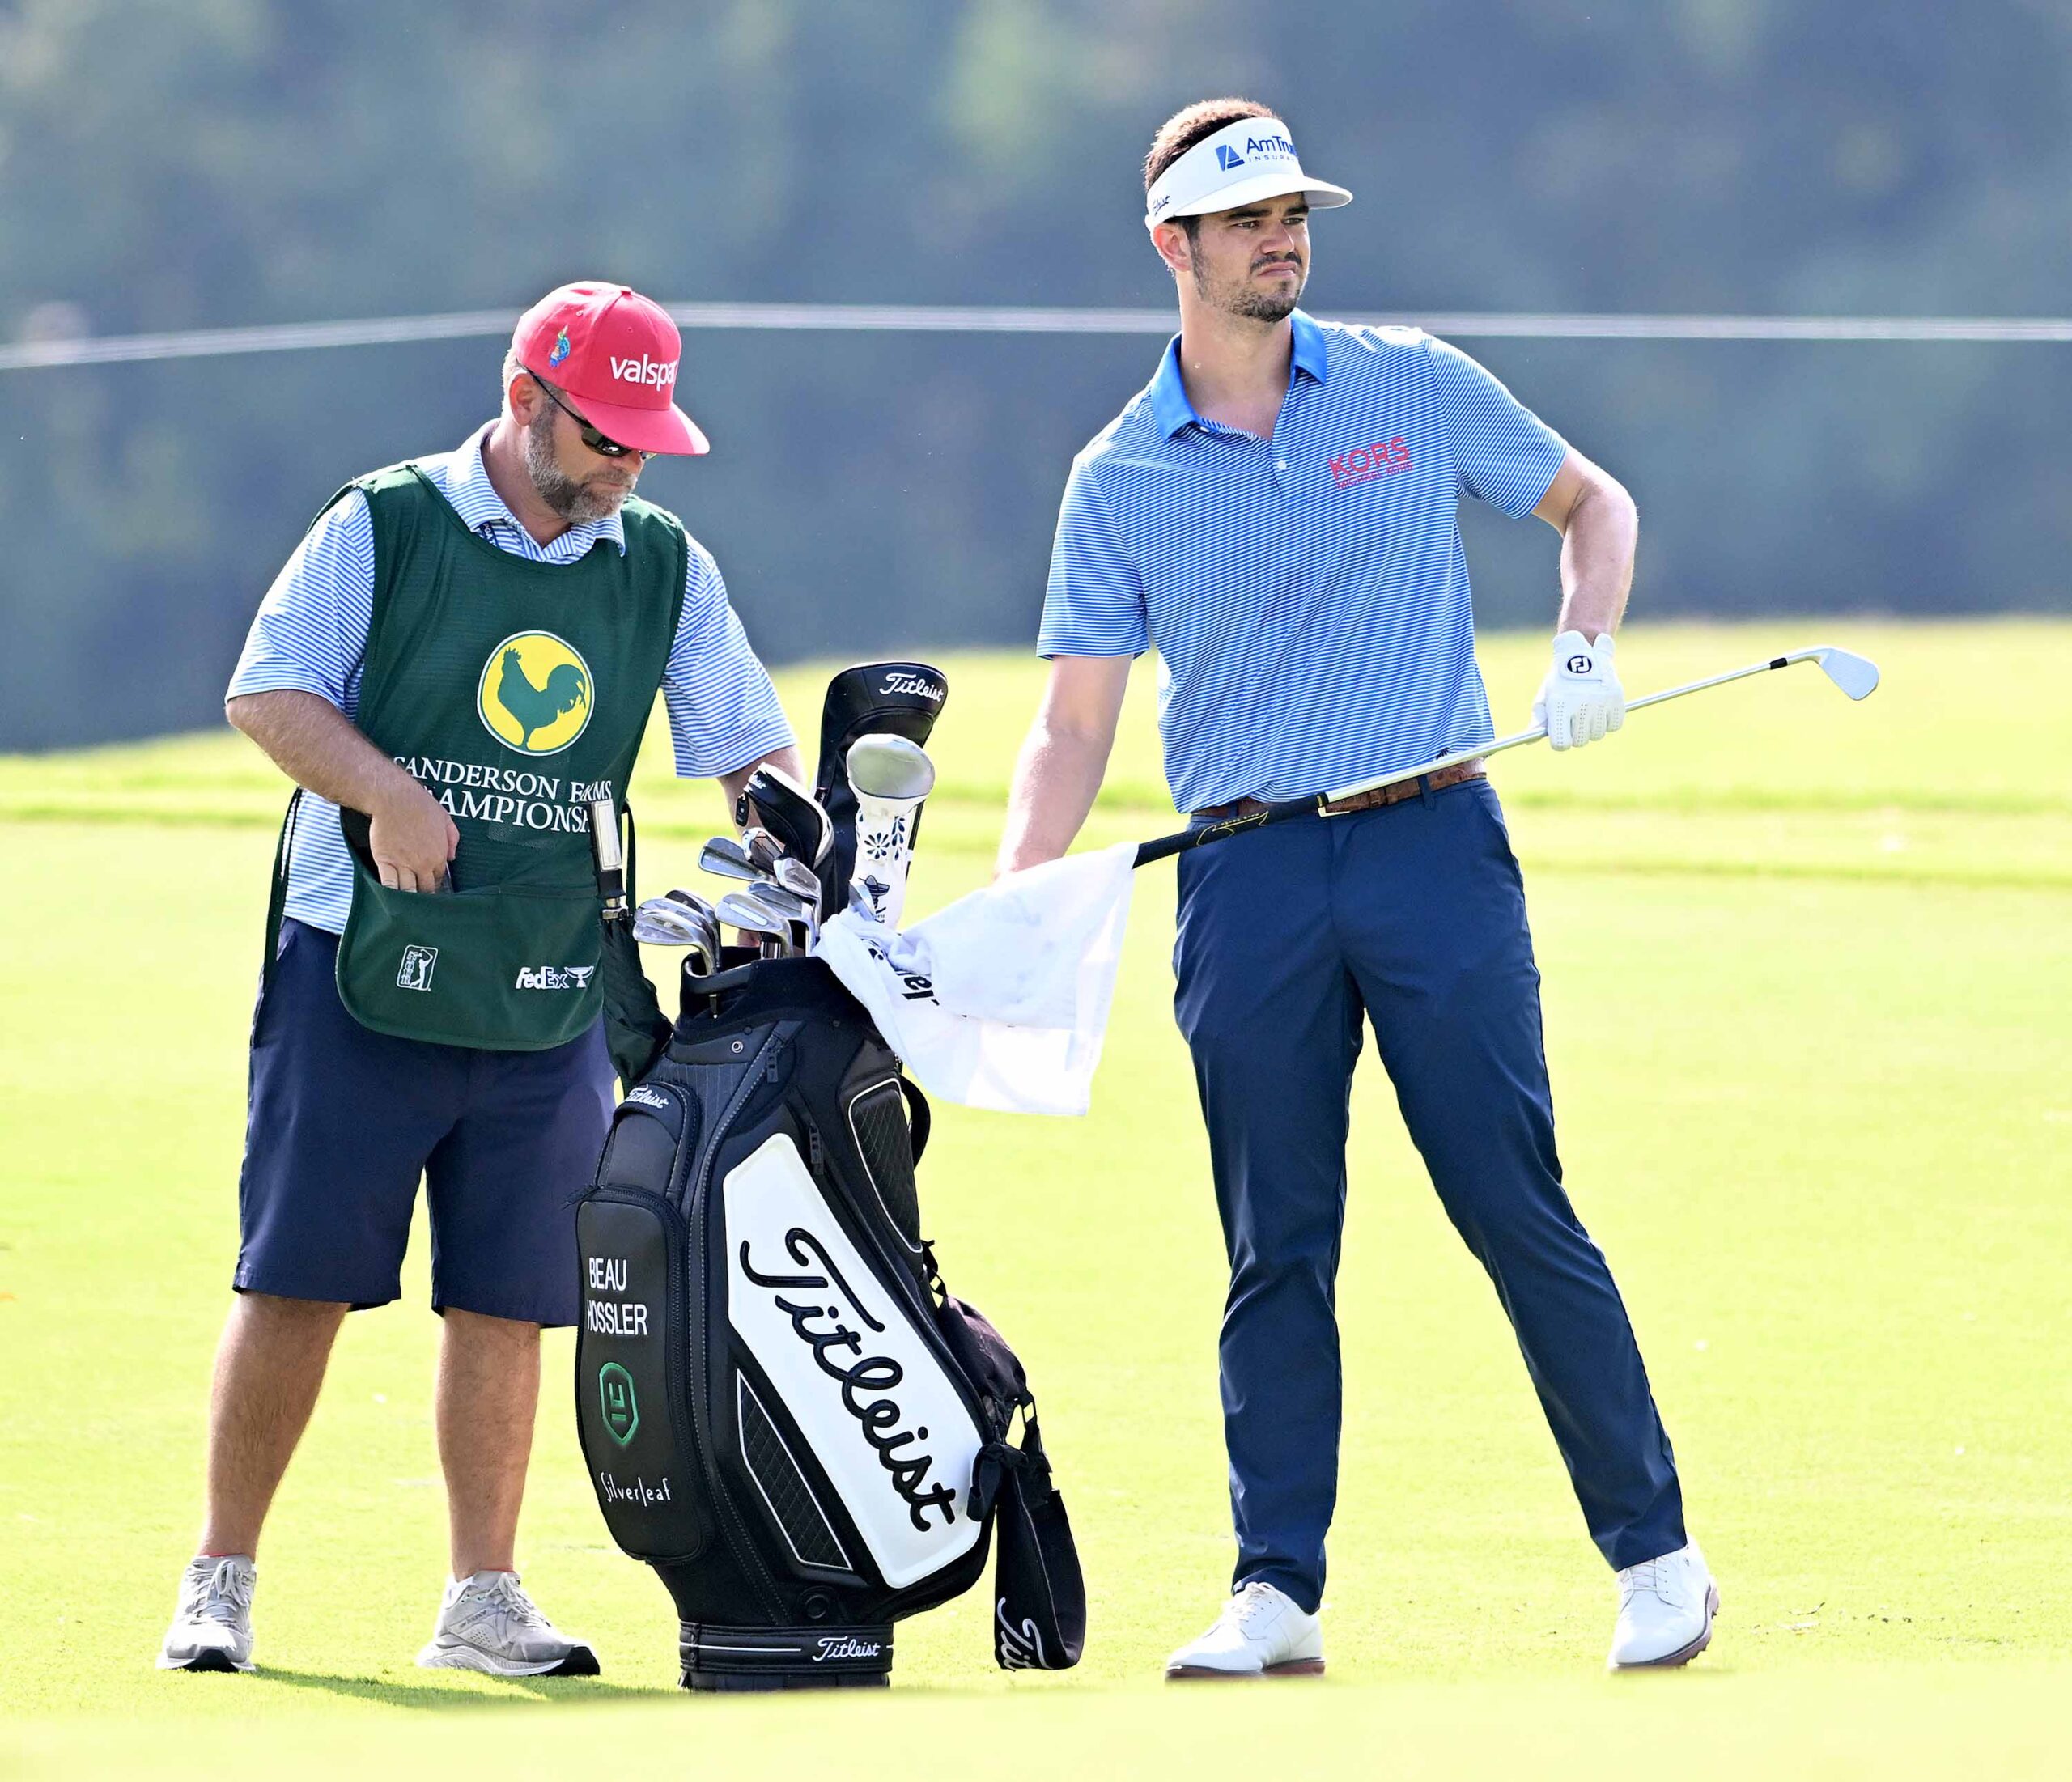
1413 916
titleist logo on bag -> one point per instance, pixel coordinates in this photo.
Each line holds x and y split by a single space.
882 1415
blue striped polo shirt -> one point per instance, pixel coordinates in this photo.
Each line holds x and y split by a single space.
311 635
1307 594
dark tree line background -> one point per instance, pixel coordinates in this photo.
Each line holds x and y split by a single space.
181 163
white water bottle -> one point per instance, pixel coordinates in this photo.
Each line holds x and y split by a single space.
890 777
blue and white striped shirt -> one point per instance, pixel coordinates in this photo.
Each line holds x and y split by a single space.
311 635
1307 594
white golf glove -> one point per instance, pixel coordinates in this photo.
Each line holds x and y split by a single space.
1581 698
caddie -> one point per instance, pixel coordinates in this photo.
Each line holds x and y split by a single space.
462 651
1276 513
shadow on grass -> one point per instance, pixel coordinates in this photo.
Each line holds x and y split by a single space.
510 1690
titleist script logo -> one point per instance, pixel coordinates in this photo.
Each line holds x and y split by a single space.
867 1381
846 1646
639 1492
1363 462
1017 1649
916 684
554 977
645 1097
655 373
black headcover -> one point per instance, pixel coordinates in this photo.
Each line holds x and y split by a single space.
895 698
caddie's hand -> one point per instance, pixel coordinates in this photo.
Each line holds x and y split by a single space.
412 838
1581 699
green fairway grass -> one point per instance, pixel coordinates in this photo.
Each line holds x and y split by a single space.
1809 1013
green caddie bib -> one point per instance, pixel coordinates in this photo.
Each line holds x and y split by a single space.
515 691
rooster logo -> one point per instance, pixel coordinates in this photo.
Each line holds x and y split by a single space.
535 693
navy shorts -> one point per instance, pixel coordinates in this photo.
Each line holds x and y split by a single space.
344 1120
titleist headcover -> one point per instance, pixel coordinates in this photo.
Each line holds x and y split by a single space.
900 698
783 1410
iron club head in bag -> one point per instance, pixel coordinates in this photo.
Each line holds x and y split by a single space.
890 777
753 917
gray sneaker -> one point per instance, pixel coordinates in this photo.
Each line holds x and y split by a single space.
487 1623
212 1627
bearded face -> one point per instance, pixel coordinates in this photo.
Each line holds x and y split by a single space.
596 494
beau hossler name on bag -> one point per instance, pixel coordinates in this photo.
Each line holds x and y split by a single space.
516 797
618 1318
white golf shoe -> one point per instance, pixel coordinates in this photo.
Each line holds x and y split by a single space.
1260 1633
1666 1610
487 1623
212 1627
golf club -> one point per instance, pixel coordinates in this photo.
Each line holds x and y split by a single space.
801 880
1856 675
788 810
725 858
753 917
795 910
763 849
890 777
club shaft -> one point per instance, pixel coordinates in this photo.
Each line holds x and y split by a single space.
1166 846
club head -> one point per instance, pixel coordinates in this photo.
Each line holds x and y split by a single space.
882 766
690 901
724 858
764 849
801 881
1856 675
661 923
753 917
788 810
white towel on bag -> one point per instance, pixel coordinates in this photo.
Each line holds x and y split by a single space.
1001 1000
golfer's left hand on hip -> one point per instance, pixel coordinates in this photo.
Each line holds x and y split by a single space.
1581 698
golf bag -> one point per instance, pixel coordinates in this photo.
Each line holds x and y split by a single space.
782 1409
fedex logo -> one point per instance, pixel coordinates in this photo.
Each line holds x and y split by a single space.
660 373
1363 462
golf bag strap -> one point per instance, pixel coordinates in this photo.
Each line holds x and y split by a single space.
277 894
920 1119
1039 1594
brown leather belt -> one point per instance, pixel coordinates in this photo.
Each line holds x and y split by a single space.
1437 781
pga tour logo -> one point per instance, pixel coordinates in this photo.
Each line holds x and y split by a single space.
654 373
554 977
414 971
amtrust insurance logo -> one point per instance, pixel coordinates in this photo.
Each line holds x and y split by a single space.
535 693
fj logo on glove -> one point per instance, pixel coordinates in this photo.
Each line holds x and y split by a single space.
1580 665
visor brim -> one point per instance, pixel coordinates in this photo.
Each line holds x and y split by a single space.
1321 194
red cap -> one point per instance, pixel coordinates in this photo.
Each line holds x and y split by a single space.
614 354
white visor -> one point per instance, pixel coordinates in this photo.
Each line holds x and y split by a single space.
1244 162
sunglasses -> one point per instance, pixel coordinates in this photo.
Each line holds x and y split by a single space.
595 440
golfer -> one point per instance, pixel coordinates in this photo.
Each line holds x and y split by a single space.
461 651
1277 514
